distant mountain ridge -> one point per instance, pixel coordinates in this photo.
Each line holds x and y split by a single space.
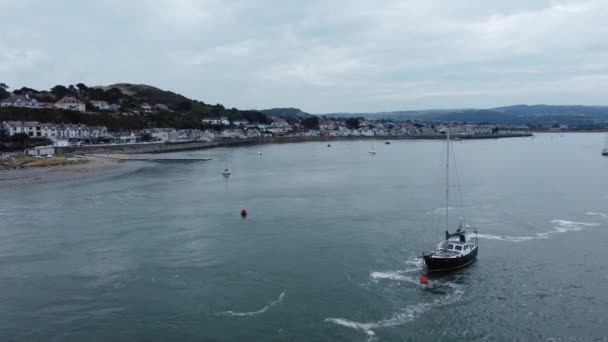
541 115
286 113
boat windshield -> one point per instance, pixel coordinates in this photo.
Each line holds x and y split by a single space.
458 248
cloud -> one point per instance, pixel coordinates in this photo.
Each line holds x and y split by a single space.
321 56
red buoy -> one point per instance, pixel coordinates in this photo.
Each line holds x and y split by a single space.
243 213
424 280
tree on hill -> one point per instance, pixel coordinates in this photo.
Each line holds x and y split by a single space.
352 123
26 91
3 91
311 123
82 88
60 91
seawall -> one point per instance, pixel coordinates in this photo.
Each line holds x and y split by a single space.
175 147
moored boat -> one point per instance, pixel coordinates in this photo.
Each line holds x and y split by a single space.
456 251
452 254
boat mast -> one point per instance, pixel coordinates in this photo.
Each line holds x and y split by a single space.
447 181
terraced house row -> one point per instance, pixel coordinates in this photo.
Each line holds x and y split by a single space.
36 129
26 101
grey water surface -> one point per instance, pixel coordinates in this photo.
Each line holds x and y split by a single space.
327 253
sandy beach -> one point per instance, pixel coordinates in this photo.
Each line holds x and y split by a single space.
95 168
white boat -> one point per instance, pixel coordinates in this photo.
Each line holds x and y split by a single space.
372 150
226 171
605 150
260 143
456 251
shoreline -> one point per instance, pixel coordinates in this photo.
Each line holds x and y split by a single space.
154 148
95 169
99 166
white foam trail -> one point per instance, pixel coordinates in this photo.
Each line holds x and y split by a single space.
442 210
404 316
394 275
253 313
510 238
597 214
363 327
416 262
560 226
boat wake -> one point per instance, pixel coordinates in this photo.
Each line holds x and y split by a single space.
253 313
395 275
416 264
404 316
559 226
598 214
441 211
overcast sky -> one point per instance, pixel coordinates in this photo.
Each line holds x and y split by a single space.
319 55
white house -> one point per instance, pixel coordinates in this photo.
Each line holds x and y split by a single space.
33 129
21 101
232 134
40 151
161 107
114 107
70 103
163 134
73 131
96 131
146 108
125 138
240 123
221 121
60 142
326 125
100 105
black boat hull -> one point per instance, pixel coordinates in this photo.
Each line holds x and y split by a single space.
434 264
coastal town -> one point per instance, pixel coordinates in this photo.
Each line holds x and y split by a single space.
44 138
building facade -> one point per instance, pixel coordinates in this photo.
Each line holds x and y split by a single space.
20 101
70 103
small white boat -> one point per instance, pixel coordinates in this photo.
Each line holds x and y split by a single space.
226 171
372 150
260 153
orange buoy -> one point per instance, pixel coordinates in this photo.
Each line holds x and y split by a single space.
424 280
243 213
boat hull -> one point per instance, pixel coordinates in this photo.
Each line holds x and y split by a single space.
436 264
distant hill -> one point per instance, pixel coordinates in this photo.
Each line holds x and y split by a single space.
143 93
182 113
286 113
536 115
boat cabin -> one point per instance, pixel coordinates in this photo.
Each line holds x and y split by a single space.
457 246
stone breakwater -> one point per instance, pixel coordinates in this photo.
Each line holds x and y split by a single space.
185 146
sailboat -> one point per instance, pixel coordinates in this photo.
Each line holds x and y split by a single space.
455 251
372 150
605 150
260 143
226 171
